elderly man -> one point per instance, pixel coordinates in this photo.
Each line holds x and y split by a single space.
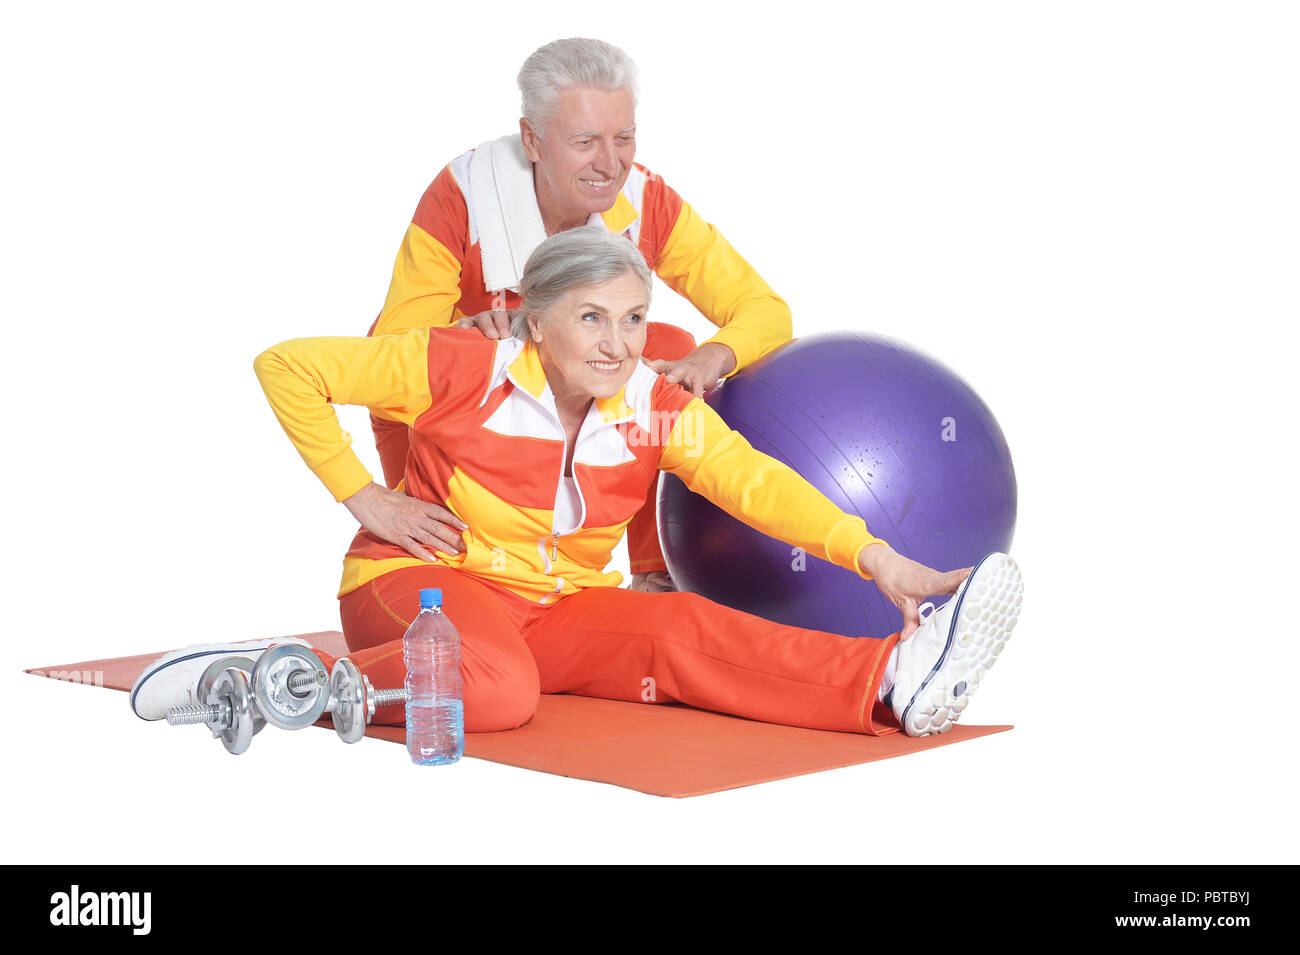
571 165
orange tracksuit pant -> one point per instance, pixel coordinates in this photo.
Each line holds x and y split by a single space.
619 644
662 341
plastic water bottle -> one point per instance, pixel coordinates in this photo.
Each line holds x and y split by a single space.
435 713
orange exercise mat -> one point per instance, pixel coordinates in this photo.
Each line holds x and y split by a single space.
664 750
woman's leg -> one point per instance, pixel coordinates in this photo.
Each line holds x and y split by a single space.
644 554
625 645
497 669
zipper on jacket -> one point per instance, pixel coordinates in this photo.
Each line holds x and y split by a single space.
547 560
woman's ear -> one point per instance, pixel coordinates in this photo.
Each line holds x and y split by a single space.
534 326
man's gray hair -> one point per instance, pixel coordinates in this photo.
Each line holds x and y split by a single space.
588 255
566 64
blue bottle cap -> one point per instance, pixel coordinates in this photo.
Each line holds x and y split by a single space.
430 597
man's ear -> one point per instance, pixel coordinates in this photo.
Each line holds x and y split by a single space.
531 139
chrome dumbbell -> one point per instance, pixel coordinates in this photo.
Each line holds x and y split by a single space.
209 678
291 689
287 683
227 718
226 707
353 701
287 688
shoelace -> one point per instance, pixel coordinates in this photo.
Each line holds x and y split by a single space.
921 611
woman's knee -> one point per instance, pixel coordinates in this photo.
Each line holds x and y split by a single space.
500 689
506 701
500 683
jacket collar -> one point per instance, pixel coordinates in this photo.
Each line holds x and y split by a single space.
618 216
526 371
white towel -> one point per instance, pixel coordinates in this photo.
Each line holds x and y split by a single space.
503 203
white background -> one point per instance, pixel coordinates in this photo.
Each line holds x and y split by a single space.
1088 209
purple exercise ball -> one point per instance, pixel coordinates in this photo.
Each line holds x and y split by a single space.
884 431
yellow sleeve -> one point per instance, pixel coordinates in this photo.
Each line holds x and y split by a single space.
753 487
425 286
698 263
303 377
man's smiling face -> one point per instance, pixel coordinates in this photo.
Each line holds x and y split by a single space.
584 155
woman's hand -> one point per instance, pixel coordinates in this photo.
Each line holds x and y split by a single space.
700 370
906 582
406 521
494 323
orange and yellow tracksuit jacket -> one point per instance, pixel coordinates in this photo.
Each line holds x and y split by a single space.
487 440
438 276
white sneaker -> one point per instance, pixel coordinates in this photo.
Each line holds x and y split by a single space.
171 679
942 663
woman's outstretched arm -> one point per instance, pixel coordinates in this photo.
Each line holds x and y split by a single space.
718 463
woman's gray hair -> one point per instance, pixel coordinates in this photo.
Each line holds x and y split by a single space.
588 255
565 64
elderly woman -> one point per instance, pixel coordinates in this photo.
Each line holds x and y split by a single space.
571 164
545 445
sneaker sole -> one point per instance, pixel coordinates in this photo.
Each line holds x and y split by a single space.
982 622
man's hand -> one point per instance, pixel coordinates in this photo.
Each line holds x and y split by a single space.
700 370
653 582
906 582
408 522
494 323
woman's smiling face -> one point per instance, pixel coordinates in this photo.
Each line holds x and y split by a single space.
589 342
